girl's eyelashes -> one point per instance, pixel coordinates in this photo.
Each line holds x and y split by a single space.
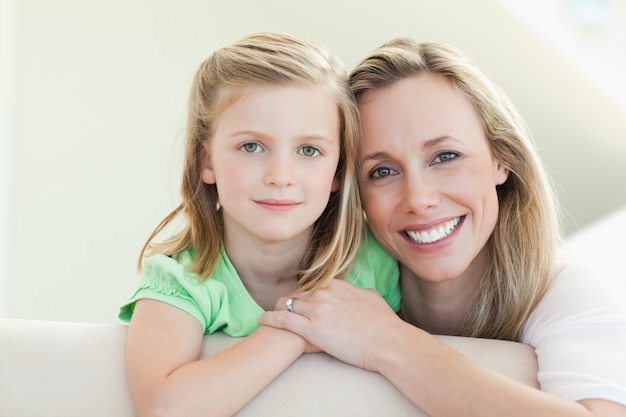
254 147
251 147
309 151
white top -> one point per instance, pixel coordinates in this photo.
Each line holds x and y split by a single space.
578 331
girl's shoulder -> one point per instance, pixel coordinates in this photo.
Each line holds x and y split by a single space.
373 252
375 268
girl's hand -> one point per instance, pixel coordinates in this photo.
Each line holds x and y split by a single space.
345 321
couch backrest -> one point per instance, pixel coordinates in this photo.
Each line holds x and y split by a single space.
54 369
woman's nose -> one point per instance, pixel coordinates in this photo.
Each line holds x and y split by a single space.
419 194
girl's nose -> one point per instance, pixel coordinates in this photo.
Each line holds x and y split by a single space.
280 171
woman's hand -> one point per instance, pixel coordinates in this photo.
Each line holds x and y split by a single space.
343 320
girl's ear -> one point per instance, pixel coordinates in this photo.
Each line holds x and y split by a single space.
336 185
208 175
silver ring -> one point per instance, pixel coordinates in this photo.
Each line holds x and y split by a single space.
289 304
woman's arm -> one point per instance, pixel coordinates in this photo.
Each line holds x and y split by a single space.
166 376
358 327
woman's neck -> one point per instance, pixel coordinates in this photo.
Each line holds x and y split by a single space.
267 270
438 307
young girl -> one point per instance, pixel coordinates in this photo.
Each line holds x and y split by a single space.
271 206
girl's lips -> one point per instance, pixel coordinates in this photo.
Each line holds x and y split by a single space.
277 205
434 234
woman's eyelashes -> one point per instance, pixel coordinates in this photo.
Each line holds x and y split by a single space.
381 172
445 156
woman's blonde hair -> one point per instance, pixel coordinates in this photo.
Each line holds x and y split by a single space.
522 248
265 59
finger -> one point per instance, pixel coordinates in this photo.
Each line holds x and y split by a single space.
293 305
281 303
283 319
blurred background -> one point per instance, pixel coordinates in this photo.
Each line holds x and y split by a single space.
93 102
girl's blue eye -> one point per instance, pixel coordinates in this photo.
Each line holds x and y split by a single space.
251 147
309 151
382 172
445 157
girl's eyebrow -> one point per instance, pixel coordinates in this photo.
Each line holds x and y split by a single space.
256 133
319 137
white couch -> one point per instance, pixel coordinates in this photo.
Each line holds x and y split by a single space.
58 369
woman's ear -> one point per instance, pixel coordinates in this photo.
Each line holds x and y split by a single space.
500 173
208 175
336 185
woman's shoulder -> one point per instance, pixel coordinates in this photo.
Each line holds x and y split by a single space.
578 292
578 330
586 281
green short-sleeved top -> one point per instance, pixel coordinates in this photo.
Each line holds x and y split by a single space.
222 303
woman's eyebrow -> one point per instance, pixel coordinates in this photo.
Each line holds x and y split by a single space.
376 156
431 143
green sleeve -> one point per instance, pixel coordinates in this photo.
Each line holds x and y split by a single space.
163 279
375 268
219 303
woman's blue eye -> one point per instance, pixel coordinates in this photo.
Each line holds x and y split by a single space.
381 172
251 147
445 156
309 151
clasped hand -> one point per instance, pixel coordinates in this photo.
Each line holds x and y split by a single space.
342 320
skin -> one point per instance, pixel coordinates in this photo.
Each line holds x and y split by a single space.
425 164
266 146
262 156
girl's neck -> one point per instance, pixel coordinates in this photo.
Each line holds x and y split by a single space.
438 307
267 270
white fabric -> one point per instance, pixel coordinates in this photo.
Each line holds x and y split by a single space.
578 331
56 369
600 244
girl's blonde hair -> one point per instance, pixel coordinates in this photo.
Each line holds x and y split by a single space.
265 59
522 248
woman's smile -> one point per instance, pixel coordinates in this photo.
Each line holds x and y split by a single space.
435 234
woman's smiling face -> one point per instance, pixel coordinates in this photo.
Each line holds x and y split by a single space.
427 176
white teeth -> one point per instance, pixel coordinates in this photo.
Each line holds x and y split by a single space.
435 234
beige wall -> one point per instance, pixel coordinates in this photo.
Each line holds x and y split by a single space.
95 110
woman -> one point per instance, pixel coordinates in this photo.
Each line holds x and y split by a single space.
453 188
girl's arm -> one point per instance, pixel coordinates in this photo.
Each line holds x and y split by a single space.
358 327
166 376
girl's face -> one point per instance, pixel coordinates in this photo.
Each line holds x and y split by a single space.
273 158
427 176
